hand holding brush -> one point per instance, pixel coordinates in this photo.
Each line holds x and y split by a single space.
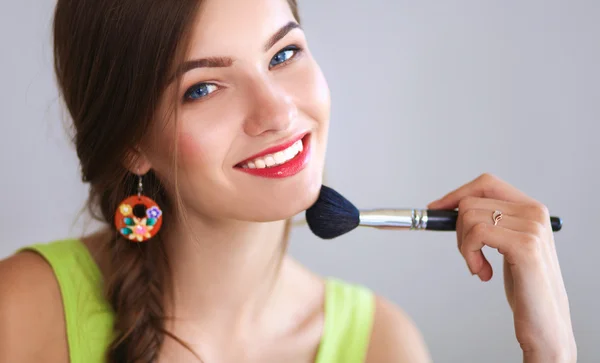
333 215
491 213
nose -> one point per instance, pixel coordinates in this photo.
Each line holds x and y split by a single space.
271 108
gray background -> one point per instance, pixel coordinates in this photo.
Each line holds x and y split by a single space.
426 96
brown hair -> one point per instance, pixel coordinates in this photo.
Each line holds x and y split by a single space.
113 61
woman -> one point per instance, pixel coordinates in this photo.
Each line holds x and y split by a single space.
216 111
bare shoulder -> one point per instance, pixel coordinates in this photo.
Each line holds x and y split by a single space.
395 338
32 327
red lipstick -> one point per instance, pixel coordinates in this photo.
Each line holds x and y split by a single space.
289 168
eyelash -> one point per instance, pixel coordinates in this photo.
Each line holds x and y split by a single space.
186 98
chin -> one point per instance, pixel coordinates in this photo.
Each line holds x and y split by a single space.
293 204
284 200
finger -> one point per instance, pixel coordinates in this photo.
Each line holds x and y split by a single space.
479 265
532 211
533 220
476 260
486 271
481 210
473 217
518 248
487 186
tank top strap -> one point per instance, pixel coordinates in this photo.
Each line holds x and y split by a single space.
88 316
349 315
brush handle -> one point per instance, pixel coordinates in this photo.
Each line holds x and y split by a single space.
445 220
420 219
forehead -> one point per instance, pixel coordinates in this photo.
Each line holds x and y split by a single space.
230 27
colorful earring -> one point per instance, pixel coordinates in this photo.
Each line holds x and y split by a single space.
138 217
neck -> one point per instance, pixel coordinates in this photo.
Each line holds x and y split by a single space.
227 268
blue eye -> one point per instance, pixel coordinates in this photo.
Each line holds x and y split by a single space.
200 90
284 55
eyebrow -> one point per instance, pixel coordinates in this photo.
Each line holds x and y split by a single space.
222 62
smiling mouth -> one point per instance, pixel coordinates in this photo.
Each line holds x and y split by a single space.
276 159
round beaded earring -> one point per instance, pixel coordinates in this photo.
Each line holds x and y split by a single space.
138 218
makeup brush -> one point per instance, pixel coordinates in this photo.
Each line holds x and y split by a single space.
332 215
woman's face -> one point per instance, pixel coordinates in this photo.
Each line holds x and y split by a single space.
251 88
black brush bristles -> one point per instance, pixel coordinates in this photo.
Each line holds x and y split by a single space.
332 215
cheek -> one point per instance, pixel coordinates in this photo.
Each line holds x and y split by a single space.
203 149
190 150
314 95
321 92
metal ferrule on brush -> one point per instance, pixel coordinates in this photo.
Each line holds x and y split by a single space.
411 219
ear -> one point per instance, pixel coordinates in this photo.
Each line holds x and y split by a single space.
137 162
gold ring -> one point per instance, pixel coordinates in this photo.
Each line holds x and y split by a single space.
496 217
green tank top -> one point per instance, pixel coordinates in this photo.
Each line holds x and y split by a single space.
349 309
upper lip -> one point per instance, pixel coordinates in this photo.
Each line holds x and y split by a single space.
281 145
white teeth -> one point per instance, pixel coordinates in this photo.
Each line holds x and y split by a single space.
291 152
278 158
260 164
270 161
